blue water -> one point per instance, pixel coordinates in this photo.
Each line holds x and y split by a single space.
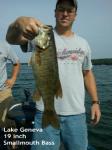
100 136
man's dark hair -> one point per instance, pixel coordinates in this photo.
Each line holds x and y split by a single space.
72 2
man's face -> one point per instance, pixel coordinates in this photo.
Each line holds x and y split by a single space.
65 14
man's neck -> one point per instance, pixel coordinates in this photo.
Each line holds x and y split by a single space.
67 32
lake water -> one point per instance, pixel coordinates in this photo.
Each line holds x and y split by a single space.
100 135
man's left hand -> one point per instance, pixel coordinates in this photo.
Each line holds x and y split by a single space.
9 82
95 114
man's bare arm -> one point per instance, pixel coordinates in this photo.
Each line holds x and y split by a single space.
15 71
92 90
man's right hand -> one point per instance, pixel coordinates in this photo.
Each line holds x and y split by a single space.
28 26
22 30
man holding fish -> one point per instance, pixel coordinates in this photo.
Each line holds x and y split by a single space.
59 90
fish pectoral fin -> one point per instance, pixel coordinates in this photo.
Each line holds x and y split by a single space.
36 95
58 90
50 118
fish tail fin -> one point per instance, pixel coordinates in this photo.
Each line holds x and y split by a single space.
58 90
50 118
36 95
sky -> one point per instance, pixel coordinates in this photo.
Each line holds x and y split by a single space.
93 22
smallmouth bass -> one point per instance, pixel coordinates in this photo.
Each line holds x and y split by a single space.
45 70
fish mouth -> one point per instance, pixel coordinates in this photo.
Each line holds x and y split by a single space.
43 38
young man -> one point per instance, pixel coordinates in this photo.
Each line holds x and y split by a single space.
6 84
74 62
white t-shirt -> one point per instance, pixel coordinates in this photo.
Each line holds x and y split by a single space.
73 55
5 54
